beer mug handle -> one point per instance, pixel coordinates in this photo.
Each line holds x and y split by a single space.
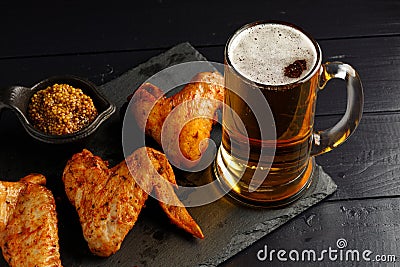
326 140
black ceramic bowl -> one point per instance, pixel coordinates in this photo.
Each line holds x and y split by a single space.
18 97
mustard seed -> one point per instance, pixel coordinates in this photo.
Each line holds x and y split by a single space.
61 109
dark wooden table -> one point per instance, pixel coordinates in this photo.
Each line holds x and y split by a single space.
100 41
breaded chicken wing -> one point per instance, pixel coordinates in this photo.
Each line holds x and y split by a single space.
108 201
28 223
193 107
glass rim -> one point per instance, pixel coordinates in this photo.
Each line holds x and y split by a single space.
309 75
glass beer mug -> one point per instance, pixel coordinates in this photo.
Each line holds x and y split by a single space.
273 71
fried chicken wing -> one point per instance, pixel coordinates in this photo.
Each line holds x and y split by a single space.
198 102
28 223
108 201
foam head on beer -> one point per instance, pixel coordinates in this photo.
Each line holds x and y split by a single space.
262 52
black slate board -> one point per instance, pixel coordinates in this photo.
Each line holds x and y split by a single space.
153 241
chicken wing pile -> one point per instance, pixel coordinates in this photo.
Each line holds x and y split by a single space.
28 223
200 99
108 201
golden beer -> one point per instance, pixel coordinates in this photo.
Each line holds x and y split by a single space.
277 139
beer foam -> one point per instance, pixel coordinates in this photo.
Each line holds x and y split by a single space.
261 52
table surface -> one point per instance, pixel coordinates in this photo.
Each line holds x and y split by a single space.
100 41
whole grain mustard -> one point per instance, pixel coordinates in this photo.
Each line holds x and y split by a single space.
61 109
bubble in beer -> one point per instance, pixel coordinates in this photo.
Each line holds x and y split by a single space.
261 53
295 69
